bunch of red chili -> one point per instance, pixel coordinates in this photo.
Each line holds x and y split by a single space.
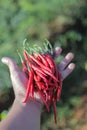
43 77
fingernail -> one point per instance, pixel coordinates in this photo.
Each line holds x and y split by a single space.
70 56
58 49
72 66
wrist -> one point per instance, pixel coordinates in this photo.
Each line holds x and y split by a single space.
25 115
29 112
32 103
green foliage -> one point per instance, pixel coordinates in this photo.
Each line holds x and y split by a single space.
3 115
75 100
64 112
20 19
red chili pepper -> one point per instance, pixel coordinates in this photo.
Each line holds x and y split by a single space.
43 98
44 61
32 90
54 108
26 55
50 74
50 60
30 82
41 85
36 77
25 69
44 78
39 63
24 65
58 93
37 69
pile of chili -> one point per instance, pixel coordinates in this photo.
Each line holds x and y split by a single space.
44 77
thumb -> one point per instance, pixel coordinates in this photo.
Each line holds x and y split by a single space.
17 77
11 65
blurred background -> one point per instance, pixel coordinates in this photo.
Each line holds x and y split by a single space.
63 23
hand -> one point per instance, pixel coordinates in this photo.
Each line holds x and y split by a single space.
19 79
65 67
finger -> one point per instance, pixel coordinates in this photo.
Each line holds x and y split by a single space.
18 78
57 52
66 61
68 70
11 64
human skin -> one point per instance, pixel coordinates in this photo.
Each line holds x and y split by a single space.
26 116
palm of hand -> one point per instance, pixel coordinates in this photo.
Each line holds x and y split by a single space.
19 79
